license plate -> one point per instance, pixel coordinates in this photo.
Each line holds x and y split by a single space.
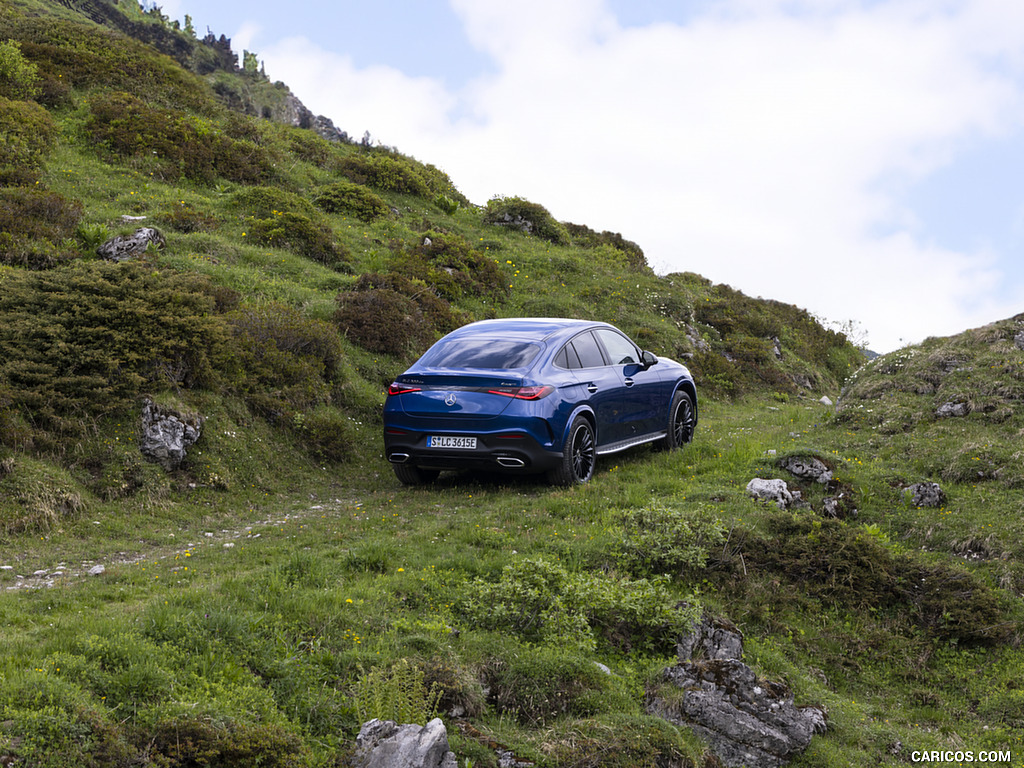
443 441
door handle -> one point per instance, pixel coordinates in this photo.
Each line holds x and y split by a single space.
591 388
629 382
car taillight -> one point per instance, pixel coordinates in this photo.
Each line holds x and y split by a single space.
400 389
524 393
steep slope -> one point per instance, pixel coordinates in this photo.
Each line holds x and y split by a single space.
255 603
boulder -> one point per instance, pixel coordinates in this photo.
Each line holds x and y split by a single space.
126 247
926 495
167 435
807 468
773 490
949 410
746 721
385 744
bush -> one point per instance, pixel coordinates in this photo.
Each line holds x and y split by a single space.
27 133
584 237
438 314
847 567
540 602
297 232
288 362
267 202
87 339
388 170
383 320
390 174
531 218
18 77
70 54
172 142
658 539
455 269
537 685
185 218
354 199
326 433
36 227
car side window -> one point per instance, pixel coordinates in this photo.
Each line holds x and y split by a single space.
620 349
589 352
567 358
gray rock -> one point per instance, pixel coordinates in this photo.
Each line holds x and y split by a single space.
166 436
1019 340
126 247
807 468
926 495
385 744
711 638
772 490
746 721
948 410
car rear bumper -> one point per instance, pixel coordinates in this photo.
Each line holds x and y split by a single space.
506 451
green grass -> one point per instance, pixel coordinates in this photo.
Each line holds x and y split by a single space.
254 602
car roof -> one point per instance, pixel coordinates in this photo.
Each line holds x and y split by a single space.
527 328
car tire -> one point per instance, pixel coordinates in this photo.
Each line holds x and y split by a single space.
682 420
578 455
409 474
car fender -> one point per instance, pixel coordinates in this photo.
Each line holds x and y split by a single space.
587 411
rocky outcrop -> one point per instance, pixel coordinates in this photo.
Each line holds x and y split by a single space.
127 247
746 721
385 744
167 435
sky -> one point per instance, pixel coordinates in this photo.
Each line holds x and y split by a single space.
861 159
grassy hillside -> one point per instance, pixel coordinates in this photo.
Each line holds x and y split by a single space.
257 604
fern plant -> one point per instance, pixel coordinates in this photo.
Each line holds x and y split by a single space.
397 693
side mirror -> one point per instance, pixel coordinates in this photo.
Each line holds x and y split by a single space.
649 358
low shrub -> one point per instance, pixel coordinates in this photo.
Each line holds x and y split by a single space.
86 339
27 134
388 170
79 55
354 199
455 268
383 320
540 602
301 234
585 237
172 142
287 362
261 202
531 218
327 433
658 539
539 684
846 566
18 77
183 217
36 227
184 741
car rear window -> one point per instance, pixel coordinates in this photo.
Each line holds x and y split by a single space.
490 354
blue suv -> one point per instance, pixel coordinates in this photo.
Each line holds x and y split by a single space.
533 395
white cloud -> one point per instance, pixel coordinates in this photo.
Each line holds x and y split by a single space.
757 146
